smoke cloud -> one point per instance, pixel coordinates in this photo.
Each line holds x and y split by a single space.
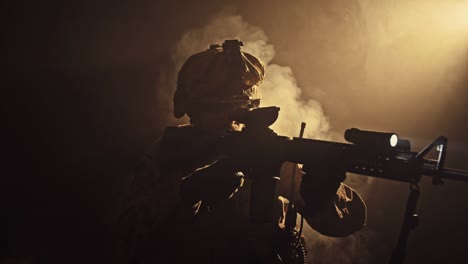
280 88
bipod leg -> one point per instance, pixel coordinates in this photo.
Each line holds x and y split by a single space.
410 222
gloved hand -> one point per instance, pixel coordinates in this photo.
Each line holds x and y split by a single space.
318 187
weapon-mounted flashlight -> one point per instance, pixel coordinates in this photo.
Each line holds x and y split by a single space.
371 138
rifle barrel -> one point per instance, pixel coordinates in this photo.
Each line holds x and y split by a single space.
454 174
429 169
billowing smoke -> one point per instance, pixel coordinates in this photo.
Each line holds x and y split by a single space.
280 88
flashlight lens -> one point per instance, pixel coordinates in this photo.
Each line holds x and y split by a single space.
393 140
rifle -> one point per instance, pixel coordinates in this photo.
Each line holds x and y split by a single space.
368 153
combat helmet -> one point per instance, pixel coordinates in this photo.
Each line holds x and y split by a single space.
221 78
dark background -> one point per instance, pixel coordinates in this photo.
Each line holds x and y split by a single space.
86 90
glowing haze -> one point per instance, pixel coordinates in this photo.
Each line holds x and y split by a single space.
395 66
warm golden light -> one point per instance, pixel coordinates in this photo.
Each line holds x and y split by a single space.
456 18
